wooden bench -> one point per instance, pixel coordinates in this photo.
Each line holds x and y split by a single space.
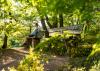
33 41
74 30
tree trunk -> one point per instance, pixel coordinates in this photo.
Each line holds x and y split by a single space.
55 22
61 20
5 42
30 28
44 28
85 28
47 20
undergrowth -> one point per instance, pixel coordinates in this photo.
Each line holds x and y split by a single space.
60 45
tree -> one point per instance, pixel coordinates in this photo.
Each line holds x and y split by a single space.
5 5
11 15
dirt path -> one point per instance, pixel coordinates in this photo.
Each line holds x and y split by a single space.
56 63
12 57
64 63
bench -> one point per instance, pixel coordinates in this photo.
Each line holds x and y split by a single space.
33 41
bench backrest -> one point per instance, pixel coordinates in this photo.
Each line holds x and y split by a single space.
74 29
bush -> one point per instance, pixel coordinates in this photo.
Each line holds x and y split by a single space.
81 51
52 45
60 45
93 59
92 34
95 67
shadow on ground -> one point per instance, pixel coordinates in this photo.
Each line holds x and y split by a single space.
11 57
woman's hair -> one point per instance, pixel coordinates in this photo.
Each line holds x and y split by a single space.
36 24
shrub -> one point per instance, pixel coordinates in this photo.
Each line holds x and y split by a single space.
80 51
95 67
60 45
93 59
53 45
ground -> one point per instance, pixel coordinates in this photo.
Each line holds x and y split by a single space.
12 57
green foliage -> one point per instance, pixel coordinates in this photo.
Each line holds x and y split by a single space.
53 45
93 34
0 43
30 10
95 67
15 32
60 45
82 51
74 12
93 60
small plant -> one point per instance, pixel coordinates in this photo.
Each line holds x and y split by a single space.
93 59
95 67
